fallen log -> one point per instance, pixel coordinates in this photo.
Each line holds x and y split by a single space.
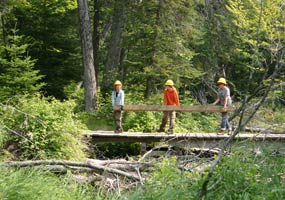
161 108
122 164
114 171
88 165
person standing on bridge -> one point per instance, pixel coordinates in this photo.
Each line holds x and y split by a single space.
224 99
170 98
118 97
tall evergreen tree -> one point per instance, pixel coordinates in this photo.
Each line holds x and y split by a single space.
17 75
158 42
52 28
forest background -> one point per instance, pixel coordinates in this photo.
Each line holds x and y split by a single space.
142 43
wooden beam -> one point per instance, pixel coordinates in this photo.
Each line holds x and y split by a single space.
109 136
161 108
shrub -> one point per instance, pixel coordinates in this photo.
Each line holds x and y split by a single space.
197 122
101 118
141 121
41 128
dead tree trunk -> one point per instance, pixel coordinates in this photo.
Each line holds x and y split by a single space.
87 51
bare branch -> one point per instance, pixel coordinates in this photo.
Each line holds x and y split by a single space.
16 133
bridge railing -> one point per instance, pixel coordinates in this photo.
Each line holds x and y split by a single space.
182 108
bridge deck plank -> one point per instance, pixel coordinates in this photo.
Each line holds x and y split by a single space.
100 136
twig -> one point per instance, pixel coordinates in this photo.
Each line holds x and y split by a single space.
139 175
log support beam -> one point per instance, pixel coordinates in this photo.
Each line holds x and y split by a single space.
161 108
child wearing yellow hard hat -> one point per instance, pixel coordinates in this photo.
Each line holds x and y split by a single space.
118 97
224 99
170 98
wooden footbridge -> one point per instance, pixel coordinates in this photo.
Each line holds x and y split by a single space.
192 140
189 140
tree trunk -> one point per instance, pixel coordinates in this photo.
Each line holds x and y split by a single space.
123 68
87 50
111 70
96 37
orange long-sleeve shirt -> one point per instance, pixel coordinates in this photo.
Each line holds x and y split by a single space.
171 96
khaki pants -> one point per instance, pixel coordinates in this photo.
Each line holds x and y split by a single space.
118 119
166 115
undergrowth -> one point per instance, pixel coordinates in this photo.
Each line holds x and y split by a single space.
30 184
241 175
36 127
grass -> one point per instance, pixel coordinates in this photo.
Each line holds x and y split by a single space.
34 184
248 176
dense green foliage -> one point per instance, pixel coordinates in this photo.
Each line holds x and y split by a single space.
40 128
50 29
241 40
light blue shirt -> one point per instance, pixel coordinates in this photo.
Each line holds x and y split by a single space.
118 98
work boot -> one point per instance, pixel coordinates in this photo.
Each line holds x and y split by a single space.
221 133
170 132
119 130
160 130
230 131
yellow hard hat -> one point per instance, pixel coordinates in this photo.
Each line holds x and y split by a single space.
169 83
117 82
222 80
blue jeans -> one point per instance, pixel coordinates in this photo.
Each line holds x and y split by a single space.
225 124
